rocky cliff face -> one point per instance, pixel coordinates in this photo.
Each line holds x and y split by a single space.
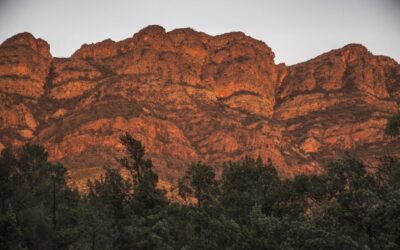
190 96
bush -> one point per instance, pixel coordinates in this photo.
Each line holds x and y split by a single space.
393 126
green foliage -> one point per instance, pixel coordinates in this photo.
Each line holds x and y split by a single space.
134 162
388 173
199 181
247 207
393 126
246 183
38 209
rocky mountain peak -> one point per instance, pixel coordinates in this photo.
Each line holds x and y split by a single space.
26 39
96 51
24 65
151 31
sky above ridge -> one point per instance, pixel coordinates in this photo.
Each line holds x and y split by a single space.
295 30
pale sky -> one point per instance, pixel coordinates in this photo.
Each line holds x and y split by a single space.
296 30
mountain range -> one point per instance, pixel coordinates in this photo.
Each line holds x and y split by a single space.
189 96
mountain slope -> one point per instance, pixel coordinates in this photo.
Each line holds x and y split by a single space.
190 96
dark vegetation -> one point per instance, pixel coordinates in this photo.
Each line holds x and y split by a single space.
393 126
249 207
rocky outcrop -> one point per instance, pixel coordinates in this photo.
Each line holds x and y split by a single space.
340 101
189 96
24 65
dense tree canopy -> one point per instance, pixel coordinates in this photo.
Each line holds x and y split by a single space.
249 206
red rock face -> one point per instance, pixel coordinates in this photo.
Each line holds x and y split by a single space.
24 65
190 96
339 102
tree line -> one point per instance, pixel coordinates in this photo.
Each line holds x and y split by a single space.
249 206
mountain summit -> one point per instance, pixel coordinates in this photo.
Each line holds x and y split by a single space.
189 96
